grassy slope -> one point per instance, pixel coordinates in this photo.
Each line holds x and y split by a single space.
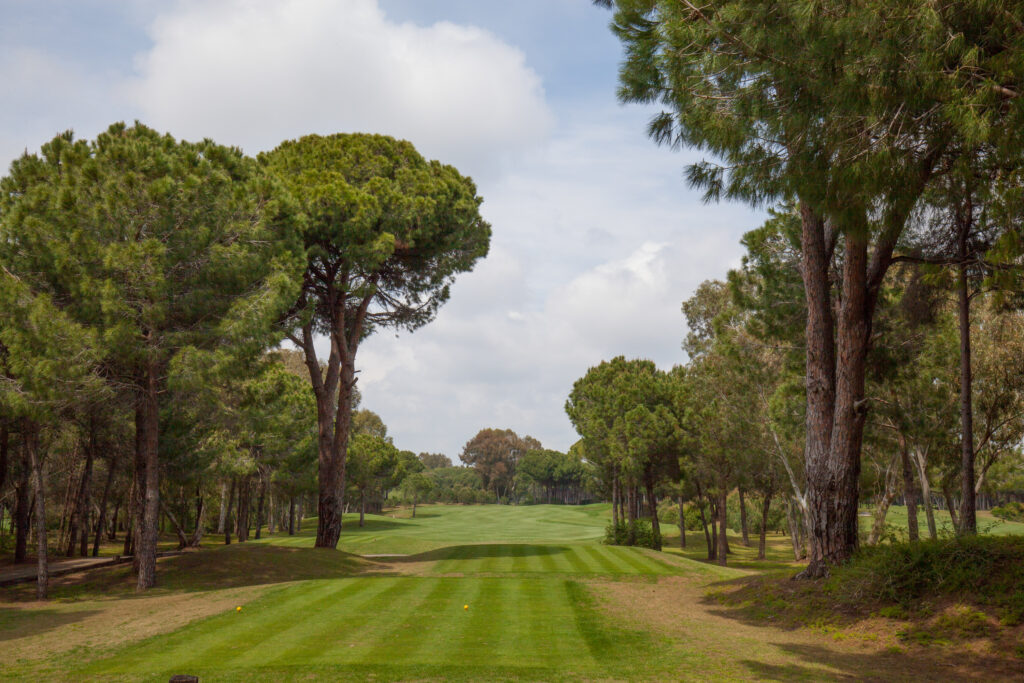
546 602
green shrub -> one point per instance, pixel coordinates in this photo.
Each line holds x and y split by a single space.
639 533
985 570
1011 512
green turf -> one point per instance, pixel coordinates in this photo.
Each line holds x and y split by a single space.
438 526
896 519
522 572
532 578
396 628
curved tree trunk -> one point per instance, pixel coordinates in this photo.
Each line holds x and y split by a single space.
888 495
909 491
926 491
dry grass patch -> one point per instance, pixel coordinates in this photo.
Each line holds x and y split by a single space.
41 630
941 640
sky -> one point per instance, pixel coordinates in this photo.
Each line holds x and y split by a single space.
597 239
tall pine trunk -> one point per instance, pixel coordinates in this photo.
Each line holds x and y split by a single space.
968 509
291 516
836 408
30 434
723 547
147 425
222 516
261 499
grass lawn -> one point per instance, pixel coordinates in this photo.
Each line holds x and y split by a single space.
479 593
896 517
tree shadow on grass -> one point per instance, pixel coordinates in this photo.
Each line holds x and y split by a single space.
235 566
482 551
24 623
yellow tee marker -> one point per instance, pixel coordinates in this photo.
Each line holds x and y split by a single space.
465 607
238 609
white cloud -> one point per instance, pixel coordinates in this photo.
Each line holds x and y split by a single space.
596 238
256 72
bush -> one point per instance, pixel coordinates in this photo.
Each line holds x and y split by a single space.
986 570
639 533
1011 512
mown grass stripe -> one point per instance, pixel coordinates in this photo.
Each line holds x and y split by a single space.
663 566
608 559
312 628
346 634
221 633
638 561
486 620
491 560
294 632
524 558
419 629
579 562
549 558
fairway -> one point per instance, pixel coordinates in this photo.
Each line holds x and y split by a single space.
445 525
516 593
